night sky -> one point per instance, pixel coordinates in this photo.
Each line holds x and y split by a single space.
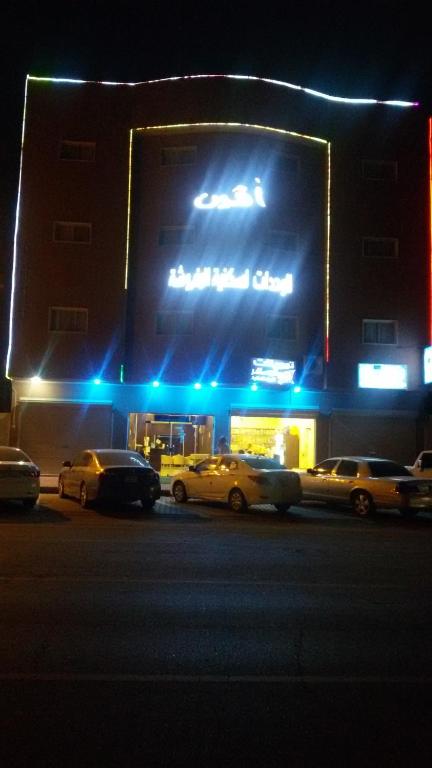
372 49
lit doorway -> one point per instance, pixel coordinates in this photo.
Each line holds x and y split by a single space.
170 441
289 439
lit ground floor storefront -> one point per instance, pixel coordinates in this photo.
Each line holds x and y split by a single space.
175 426
173 441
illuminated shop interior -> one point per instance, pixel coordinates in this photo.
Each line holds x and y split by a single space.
173 442
170 441
291 440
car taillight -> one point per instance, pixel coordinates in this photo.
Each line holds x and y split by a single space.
259 479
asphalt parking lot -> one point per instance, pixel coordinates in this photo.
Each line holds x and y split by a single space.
194 634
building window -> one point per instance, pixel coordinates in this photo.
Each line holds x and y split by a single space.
174 323
282 240
176 235
380 247
281 327
379 332
83 151
68 319
178 155
72 232
380 170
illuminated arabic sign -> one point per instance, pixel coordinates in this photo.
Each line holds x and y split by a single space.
270 371
223 278
241 198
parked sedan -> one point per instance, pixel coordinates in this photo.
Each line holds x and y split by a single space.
241 480
105 474
366 484
19 476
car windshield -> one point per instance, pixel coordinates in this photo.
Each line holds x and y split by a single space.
261 462
121 458
12 454
387 469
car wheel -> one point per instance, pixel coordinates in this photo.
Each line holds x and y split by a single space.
29 503
148 504
362 503
179 493
61 490
408 513
83 496
282 507
237 501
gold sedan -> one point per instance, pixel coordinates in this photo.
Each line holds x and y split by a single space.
239 479
367 483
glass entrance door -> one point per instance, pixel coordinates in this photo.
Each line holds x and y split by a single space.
170 441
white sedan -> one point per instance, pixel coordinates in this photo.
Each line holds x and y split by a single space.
241 480
19 476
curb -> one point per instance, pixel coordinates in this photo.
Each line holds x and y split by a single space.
54 489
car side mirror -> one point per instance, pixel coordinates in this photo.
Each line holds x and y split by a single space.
192 469
311 471
67 464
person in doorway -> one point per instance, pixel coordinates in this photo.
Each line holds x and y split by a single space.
222 445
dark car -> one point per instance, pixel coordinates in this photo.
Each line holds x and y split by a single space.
107 474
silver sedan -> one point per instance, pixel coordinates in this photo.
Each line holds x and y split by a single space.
367 483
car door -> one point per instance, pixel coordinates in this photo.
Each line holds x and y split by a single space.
225 476
342 480
73 478
91 471
314 481
200 481
81 471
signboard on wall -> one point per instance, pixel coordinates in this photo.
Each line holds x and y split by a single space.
241 196
225 278
179 418
427 365
382 376
268 371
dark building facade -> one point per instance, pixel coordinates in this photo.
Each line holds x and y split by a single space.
219 255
